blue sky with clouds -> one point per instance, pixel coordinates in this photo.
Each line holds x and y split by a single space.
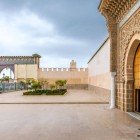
58 30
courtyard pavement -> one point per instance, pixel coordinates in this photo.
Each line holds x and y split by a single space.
71 97
66 122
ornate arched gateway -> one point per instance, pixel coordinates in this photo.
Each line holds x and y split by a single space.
124 31
131 72
14 62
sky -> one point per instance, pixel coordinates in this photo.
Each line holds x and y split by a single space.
58 30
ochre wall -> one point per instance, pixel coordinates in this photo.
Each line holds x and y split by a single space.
75 76
101 81
23 72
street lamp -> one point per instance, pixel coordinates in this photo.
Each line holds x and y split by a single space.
3 75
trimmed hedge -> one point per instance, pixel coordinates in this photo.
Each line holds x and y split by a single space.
46 92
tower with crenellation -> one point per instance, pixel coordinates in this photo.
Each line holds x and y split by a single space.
73 65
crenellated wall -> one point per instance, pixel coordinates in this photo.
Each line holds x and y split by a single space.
63 69
76 78
27 68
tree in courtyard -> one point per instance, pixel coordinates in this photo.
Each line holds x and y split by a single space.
52 86
36 85
1 80
28 84
57 83
63 83
44 83
60 83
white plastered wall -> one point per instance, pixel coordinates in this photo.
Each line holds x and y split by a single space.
99 67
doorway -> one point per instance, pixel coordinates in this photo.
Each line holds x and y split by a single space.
137 100
137 81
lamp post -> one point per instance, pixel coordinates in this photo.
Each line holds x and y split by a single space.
10 74
3 75
3 82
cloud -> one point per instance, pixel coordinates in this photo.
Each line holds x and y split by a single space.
22 26
58 31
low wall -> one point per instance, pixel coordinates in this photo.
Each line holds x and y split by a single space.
100 83
77 86
102 80
97 90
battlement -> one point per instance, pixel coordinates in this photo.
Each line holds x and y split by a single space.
34 59
63 69
16 56
72 75
33 56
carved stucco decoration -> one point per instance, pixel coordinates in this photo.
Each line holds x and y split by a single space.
17 60
126 33
116 8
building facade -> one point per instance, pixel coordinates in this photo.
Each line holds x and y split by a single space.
123 22
23 67
28 68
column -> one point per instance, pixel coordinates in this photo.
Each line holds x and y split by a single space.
10 74
112 96
15 72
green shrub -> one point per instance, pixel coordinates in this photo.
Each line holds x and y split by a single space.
52 86
60 83
25 93
35 85
46 92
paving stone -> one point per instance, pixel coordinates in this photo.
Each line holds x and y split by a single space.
66 122
73 96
